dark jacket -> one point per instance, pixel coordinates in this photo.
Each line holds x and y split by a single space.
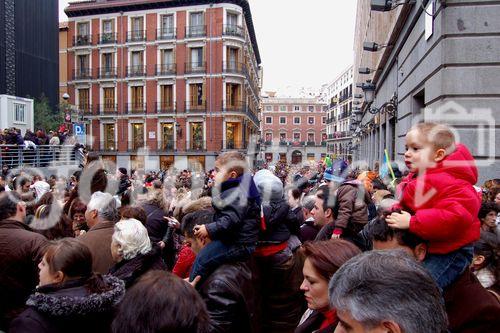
70 308
123 185
278 220
308 231
131 270
470 307
229 296
313 323
98 239
351 211
155 224
237 212
21 250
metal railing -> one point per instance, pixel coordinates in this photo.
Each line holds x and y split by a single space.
165 34
107 38
135 71
232 30
166 69
198 106
233 67
163 107
196 145
107 72
234 106
195 67
196 31
41 156
233 144
135 108
82 74
82 40
136 36
107 108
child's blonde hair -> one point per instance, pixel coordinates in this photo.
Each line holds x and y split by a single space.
438 135
233 161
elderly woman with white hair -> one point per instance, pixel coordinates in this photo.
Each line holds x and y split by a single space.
133 252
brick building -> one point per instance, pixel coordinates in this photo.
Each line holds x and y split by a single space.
293 129
179 79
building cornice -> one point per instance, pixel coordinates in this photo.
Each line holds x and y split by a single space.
86 8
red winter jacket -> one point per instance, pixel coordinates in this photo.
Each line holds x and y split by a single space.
443 202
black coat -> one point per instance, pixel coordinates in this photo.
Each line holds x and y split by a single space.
279 220
229 296
131 270
313 323
70 308
155 224
237 212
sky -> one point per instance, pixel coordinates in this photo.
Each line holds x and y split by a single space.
302 44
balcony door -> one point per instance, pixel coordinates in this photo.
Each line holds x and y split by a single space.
233 136
167 136
136 62
83 99
137 136
197 24
137 98
196 58
233 95
109 99
167 96
232 56
83 64
167 26
109 137
107 64
197 95
137 28
196 135
167 60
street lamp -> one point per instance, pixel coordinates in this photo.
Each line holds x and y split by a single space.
387 5
369 91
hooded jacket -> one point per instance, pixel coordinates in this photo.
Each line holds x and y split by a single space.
237 211
70 308
443 202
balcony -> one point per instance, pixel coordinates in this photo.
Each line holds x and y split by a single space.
233 106
107 72
310 143
233 67
198 106
135 108
82 40
196 145
234 144
107 109
165 34
107 38
164 107
232 30
136 36
82 74
168 145
165 69
195 67
196 31
136 71
85 110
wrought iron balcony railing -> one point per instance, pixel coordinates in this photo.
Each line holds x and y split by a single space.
82 40
195 67
107 72
136 36
135 108
82 74
195 106
165 107
107 38
166 69
165 34
135 71
232 30
233 67
195 31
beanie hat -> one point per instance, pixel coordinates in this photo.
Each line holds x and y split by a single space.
122 171
270 187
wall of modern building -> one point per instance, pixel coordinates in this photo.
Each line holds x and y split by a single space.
442 66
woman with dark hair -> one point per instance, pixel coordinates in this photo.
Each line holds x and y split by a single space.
488 215
486 266
77 216
322 260
69 297
161 302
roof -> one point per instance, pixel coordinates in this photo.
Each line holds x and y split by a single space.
95 7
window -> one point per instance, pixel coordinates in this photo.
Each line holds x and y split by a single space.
269 137
232 19
167 136
233 95
310 120
196 57
296 108
296 136
137 136
107 64
233 136
269 120
83 99
167 60
107 26
136 63
137 94
310 108
83 29
196 92
137 28
269 108
196 131
282 137
310 137
19 113
282 107
282 120
196 25
83 64
296 120
109 99
167 26
232 57
109 136
167 96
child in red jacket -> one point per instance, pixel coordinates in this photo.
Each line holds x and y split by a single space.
438 200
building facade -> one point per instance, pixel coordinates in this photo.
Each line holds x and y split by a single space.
293 130
28 49
435 61
16 112
63 61
338 95
164 83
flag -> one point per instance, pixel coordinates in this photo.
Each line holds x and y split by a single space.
389 166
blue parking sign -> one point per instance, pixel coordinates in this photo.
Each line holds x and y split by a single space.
79 132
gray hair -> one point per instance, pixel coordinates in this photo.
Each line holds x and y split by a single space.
132 237
308 202
379 286
106 206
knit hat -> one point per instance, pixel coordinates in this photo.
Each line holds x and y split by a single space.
41 188
328 175
270 187
123 171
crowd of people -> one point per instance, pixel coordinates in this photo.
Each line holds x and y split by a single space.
320 248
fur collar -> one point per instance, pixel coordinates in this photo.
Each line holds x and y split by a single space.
76 300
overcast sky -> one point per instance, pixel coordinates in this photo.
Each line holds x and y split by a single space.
303 44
